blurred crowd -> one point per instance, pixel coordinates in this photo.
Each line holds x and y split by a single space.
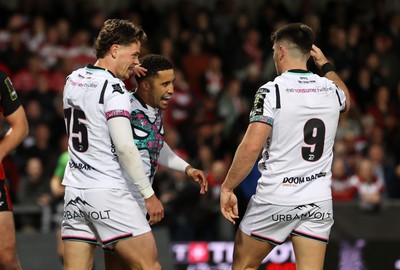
222 54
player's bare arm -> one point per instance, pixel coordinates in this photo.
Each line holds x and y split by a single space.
55 186
245 157
172 161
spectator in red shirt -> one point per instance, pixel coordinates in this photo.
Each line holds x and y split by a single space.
342 189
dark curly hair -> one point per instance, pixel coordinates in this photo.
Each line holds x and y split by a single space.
297 34
117 31
154 63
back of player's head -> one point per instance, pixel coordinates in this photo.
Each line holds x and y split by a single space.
117 31
154 63
298 35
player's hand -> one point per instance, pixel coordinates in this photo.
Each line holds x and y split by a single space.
318 56
229 206
199 177
139 71
155 209
57 190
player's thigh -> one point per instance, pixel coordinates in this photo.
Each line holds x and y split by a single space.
7 232
249 252
310 254
114 262
139 252
78 255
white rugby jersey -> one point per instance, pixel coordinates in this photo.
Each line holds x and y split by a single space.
303 110
93 95
148 134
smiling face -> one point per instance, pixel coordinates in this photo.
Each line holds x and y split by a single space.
127 56
161 88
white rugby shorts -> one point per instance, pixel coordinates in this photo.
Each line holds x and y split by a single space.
101 216
275 223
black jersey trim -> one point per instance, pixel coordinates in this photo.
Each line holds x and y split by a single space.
91 66
278 97
338 97
140 101
298 71
101 101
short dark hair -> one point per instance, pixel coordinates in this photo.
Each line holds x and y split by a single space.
298 34
154 63
117 31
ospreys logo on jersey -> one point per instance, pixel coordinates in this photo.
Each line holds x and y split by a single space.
258 106
117 88
257 112
11 90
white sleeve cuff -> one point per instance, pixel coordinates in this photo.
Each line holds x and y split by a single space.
147 192
171 160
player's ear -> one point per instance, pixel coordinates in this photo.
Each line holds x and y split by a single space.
282 52
145 84
114 50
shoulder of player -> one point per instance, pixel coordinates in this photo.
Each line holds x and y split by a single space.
112 89
139 104
133 100
3 80
115 85
6 86
267 88
3 75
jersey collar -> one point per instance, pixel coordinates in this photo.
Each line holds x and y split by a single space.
298 71
140 100
91 66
